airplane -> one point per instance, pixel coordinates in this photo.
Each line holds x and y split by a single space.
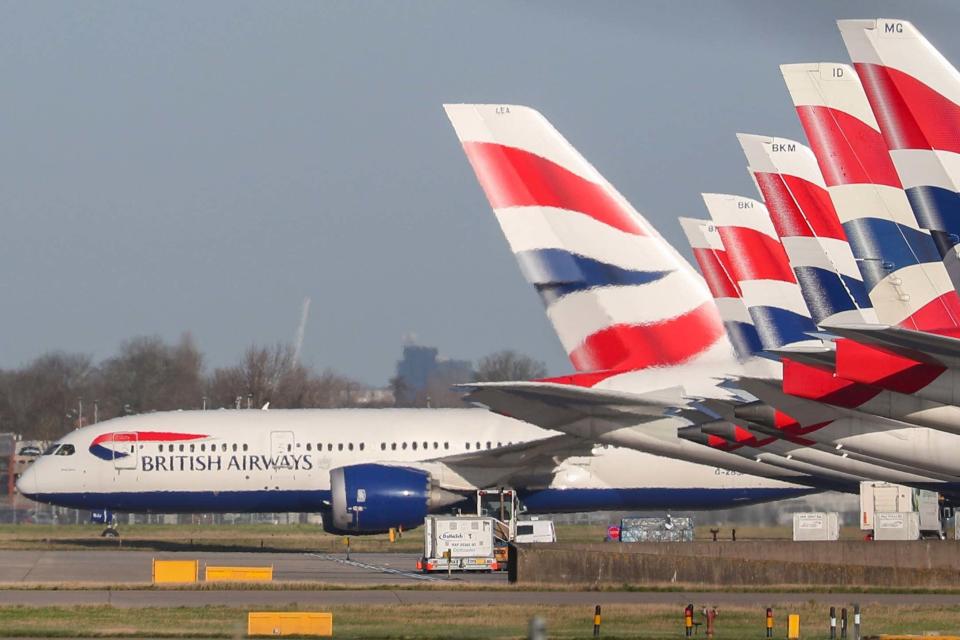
364 470
631 313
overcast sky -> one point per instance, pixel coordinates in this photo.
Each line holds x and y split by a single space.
203 166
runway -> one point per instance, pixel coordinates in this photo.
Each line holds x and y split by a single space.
133 567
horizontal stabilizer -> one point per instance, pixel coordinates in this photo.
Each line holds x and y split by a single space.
922 346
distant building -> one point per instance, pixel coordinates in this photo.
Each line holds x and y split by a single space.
420 368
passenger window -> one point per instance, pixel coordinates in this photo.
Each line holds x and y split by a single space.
223 447
350 446
436 445
499 444
191 448
393 446
446 445
468 446
161 448
203 447
404 446
361 446
488 445
245 447
308 446
478 446
383 446
329 446
340 447
66 450
181 447
289 447
413 446
234 446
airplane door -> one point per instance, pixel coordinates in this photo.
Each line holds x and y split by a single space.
281 449
124 446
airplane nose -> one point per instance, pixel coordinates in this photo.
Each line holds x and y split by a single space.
27 483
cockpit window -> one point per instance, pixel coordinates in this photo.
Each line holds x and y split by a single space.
66 450
51 449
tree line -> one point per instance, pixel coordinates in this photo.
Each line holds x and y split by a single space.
59 391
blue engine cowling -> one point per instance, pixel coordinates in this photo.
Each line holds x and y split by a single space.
372 498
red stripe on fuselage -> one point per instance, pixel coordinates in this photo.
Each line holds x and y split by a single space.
799 208
145 436
513 177
848 150
623 348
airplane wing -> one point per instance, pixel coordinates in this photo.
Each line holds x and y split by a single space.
548 450
551 405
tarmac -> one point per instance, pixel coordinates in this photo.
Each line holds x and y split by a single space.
130 567
98 571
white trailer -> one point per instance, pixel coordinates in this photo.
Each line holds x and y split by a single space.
822 526
535 530
886 498
458 543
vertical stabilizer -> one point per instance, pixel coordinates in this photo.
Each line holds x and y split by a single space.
790 182
906 280
760 268
619 297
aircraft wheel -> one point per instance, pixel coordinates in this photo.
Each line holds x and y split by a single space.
110 533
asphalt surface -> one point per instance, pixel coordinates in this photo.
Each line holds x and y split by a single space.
130 567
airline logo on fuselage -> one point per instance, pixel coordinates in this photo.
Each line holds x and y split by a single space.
110 446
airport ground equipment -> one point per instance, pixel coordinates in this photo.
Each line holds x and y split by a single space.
666 529
816 526
536 530
238 574
896 525
175 571
289 623
458 543
885 498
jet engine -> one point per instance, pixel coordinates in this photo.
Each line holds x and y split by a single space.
372 498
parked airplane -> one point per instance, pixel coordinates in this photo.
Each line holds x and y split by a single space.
364 470
631 313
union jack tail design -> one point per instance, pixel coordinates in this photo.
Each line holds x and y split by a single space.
715 267
619 297
915 95
790 182
906 280
760 268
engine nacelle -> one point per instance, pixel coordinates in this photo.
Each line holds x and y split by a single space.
372 498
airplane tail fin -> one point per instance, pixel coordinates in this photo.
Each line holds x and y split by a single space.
787 176
715 267
915 95
902 269
760 268
618 295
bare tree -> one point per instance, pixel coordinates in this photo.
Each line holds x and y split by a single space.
507 365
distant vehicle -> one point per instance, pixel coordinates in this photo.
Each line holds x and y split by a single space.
39 517
535 531
30 450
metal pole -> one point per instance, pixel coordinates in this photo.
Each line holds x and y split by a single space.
596 622
833 623
856 622
843 623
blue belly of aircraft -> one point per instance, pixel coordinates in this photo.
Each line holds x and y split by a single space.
539 501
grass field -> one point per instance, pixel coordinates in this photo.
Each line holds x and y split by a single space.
292 537
422 622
